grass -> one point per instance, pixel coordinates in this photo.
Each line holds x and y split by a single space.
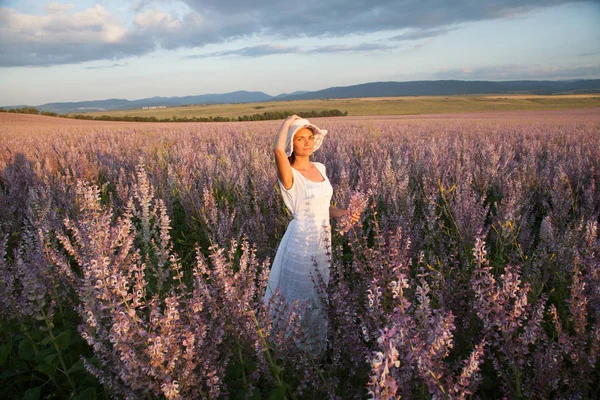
377 106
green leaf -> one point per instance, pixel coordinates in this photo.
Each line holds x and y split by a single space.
87 394
4 352
78 366
45 368
32 394
277 369
255 395
63 340
43 353
277 393
26 350
9 373
52 359
236 370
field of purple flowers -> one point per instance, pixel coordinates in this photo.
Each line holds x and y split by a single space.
134 257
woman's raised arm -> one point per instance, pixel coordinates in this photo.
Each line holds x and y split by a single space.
284 169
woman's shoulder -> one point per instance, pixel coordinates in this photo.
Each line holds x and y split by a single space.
320 167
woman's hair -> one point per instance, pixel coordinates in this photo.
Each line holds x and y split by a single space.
291 158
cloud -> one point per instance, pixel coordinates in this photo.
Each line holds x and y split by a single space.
287 18
524 72
64 36
363 47
268 49
139 5
416 34
91 25
55 8
250 51
107 66
157 21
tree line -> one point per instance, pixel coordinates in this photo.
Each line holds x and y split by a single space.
265 116
23 110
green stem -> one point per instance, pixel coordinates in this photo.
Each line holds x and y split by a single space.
241 357
449 213
60 357
57 297
26 332
22 324
439 384
517 381
312 360
267 353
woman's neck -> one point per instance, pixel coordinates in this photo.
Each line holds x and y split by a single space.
301 163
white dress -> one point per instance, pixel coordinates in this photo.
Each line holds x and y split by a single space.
306 241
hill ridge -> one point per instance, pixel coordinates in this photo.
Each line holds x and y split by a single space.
369 89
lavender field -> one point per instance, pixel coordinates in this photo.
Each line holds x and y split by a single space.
134 258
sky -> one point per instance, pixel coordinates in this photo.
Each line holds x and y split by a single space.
62 51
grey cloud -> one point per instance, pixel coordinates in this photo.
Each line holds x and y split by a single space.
106 66
516 72
39 54
267 49
63 38
139 5
317 17
416 34
352 48
250 51
218 21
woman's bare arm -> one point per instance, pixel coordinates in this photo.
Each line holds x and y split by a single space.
284 170
335 212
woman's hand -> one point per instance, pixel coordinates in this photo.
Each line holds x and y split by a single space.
353 216
281 137
283 129
291 118
347 221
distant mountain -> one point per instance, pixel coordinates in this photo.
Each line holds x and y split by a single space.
284 96
446 88
374 89
122 104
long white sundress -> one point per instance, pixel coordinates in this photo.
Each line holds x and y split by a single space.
306 240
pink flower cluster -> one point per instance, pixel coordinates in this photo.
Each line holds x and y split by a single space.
356 206
477 256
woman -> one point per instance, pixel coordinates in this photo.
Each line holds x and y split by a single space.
307 194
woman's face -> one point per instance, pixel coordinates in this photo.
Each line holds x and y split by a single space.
304 142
